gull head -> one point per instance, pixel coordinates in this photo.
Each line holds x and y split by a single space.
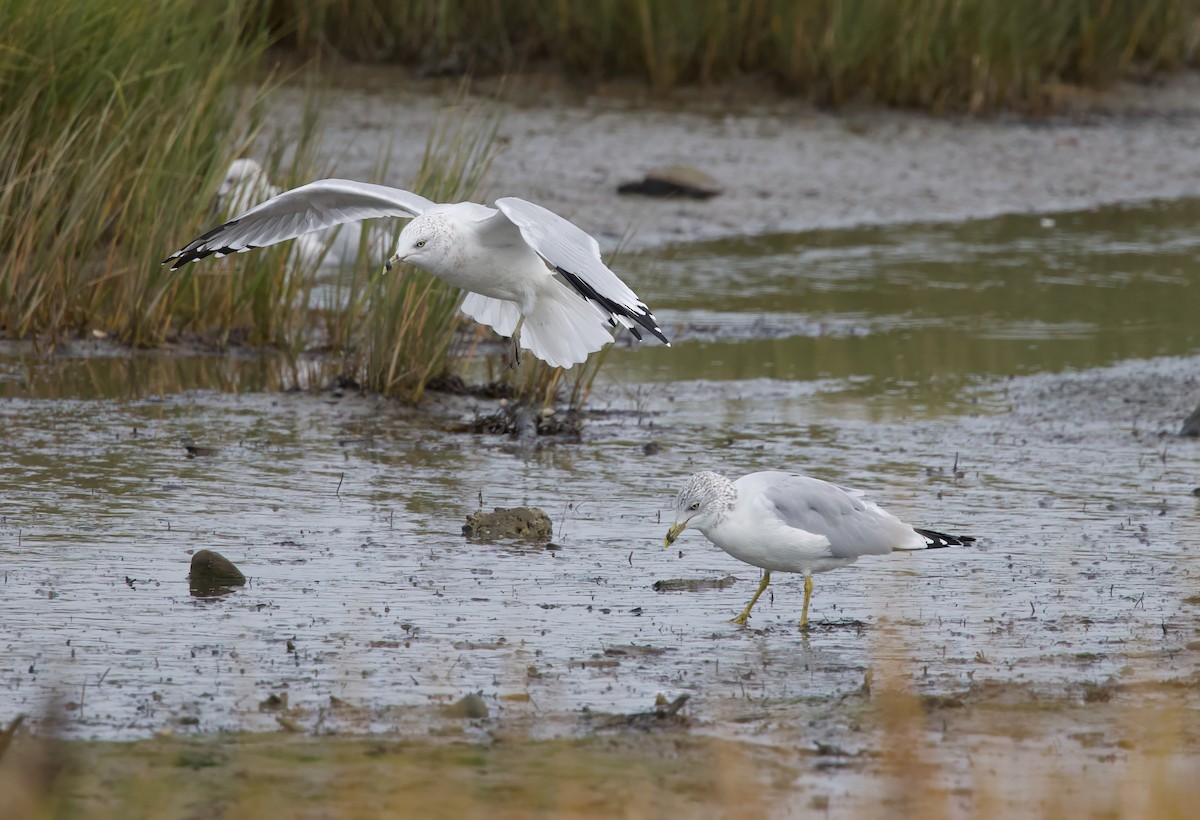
245 185
702 503
428 242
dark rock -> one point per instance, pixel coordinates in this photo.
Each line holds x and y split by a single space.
1191 425
674 181
213 574
470 707
651 448
521 523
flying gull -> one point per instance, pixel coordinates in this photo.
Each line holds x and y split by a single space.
529 274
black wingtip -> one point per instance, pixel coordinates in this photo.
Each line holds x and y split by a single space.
195 250
937 540
644 318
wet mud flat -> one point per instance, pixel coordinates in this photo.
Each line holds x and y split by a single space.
1065 645
1018 379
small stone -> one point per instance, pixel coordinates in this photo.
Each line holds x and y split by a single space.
651 448
213 574
470 707
674 181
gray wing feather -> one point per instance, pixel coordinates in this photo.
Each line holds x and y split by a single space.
853 526
575 254
311 207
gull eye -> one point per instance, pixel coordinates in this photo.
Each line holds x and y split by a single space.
695 506
421 244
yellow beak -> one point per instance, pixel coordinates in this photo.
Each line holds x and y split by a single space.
387 266
674 533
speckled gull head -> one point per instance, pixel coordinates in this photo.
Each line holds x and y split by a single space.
702 503
429 242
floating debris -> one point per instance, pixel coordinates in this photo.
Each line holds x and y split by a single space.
836 625
633 650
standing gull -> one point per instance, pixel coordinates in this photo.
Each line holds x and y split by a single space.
784 522
529 274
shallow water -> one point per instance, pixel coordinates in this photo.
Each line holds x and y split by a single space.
1041 362
917 312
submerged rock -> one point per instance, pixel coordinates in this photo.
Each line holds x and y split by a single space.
674 181
213 574
522 523
693 584
1191 425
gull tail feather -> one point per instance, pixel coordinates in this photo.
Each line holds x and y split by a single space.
500 315
936 540
562 329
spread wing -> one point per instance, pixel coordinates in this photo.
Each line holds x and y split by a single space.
311 207
575 255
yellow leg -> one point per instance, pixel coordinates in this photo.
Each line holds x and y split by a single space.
745 615
807 594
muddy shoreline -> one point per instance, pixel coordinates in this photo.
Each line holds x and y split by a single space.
785 166
1004 399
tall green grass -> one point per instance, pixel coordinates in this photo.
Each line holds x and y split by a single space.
115 119
976 54
117 124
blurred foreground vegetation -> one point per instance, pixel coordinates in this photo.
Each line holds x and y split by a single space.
998 751
940 54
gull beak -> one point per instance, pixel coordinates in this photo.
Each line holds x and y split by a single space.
388 265
674 533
